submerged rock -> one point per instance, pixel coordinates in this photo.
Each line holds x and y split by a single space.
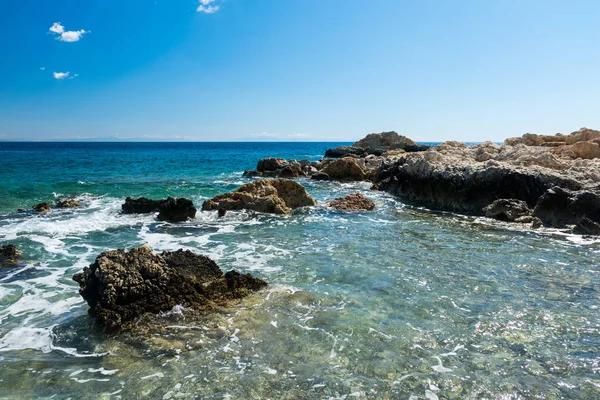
353 202
176 209
278 196
8 255
141 205
121 286
67 203
508 210
42 207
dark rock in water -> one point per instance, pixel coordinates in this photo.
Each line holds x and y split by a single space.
141 205
277 167
462 187
8 255
42 207
121 286
536 223
345 151
270 164
251 173
222 212
21 210
67 203
278 196
353 202
586 226
320 176
345 169
176 209
559 207
507 210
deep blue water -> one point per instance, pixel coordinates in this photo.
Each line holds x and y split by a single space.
397 303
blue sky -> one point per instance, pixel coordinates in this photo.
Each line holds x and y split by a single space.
220 70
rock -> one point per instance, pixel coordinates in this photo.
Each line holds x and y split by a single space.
141 205
176 209
276 167
8 256
384 141
526 219
586 226
345 151
353 202
21 210
585 150
559 207
121 286
67 203
279 196
345 169
221 212
536 223
462 185
42 207
320 176
507 210
530 139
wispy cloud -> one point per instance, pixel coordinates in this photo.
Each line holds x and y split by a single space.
207 7
43 68
66 36
61 75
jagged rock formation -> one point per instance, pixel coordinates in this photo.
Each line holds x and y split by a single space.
376 144
353 202
141 205
508 210
279 196
280 168
121 286
345 169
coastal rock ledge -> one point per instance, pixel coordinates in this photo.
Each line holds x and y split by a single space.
121 286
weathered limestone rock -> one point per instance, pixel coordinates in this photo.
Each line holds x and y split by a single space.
353 202
121 286
279 196
345 169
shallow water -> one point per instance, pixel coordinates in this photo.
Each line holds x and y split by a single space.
395 303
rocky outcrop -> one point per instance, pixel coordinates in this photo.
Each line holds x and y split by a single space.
67 203
508 210
385 141
278 167
173 209
121 286
141 205
559 207
8 256
349 151
279 196
345 169
353 202
176 209
42 207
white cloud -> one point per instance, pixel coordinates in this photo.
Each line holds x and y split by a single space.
57 28
67 36
43 68
264 134
207 7
61 75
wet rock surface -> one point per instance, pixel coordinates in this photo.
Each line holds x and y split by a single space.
509 210
141 205
121 286
353 202
278 196
42 207
8 256
70 203
176 209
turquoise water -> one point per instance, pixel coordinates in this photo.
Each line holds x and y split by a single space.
399 303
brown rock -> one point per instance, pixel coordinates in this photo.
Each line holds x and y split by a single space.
345 169
67 203
42 207
353 202
8 255
278 196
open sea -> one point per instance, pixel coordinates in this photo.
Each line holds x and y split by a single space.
397 303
